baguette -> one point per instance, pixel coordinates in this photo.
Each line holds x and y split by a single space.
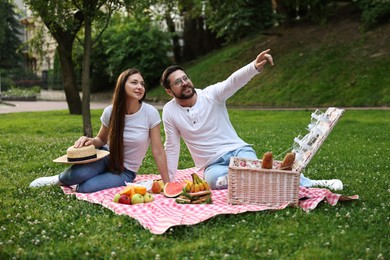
288 162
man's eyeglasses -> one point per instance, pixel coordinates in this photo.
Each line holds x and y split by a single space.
180 81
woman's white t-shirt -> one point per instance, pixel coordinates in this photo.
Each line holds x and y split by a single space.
136 135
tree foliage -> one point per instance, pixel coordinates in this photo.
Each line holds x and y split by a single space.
374 12
313 10
132 42
9 40
235 19
63 20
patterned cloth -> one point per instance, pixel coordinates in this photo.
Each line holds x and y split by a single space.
310 197
163 213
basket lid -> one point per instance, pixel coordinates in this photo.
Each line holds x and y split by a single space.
319 128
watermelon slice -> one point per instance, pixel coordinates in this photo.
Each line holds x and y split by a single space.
173 189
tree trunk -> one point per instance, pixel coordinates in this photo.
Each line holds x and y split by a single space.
69 79
64 36
177 52
85 82
198 39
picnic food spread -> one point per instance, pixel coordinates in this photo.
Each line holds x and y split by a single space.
196 191
133 195
165 213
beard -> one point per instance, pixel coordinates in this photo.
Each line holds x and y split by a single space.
184 96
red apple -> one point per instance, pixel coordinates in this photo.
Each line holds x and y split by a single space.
124 199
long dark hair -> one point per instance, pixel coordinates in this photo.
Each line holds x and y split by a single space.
117 121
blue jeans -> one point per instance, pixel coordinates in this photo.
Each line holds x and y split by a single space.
304 181
94 176
220 167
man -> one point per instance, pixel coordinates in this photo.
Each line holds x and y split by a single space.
200 117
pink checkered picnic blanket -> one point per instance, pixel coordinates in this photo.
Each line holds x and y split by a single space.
163 213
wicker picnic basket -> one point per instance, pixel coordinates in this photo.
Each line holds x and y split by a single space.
248 183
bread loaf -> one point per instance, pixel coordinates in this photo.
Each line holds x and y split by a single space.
267 161
288 162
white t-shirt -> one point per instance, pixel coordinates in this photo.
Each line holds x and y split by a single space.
136 133
205 128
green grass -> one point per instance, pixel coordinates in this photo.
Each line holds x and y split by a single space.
332 70
45 223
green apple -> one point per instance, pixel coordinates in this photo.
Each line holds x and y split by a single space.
148 197
116 197
137 199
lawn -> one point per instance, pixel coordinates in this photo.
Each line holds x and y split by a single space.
314 66
45 223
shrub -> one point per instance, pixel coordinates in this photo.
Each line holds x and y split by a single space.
18 78
233 20
133 43
374 11
22 92
6 83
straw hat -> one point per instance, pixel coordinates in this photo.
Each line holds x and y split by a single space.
82 155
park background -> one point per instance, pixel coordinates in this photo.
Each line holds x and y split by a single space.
337 54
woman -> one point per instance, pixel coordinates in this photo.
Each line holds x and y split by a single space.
128 125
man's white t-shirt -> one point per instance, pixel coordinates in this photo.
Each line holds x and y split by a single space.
205 127
136 136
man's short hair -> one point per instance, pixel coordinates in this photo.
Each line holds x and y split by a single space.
168 71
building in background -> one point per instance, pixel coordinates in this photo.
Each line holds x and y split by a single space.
39 47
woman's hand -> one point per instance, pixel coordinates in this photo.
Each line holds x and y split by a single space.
98 141
83 141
